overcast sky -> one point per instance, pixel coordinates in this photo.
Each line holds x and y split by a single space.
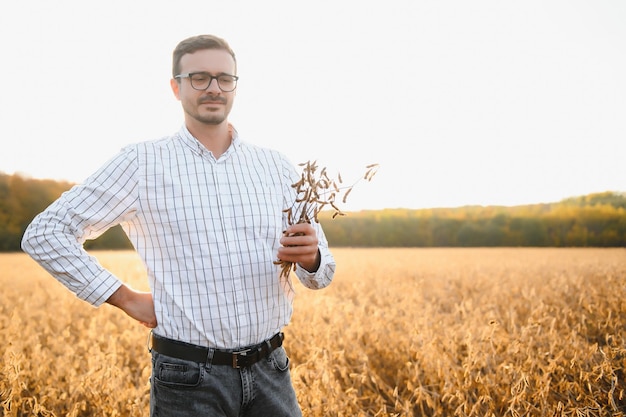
461 102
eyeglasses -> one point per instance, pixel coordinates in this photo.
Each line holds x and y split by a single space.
202 80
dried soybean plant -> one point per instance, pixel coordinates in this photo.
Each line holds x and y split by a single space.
316 191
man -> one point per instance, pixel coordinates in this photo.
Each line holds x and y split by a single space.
205 212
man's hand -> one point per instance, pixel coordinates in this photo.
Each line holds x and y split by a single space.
138 305
300 246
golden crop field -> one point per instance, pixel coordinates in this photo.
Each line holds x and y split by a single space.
400 332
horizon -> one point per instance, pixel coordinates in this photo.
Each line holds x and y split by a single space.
619 192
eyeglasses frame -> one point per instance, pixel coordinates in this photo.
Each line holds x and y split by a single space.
211 78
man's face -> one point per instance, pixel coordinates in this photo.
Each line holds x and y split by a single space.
211 106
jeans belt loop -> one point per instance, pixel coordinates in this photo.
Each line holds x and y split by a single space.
209 357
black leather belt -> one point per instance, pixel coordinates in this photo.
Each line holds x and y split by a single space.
240 359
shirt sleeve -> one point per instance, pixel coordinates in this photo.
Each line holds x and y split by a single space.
326 271
55 237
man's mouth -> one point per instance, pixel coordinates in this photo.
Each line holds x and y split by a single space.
213 100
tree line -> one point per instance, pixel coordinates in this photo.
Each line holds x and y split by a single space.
596 220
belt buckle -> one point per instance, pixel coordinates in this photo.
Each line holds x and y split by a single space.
236 357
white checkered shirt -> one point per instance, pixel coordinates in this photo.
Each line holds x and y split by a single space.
208 231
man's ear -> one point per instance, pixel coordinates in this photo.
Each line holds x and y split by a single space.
175 87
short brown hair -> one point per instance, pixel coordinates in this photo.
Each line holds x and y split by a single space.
198 43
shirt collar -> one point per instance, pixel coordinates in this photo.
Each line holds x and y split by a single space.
190 140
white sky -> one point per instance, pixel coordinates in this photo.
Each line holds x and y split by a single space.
461 102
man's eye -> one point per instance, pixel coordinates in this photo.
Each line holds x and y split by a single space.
199 77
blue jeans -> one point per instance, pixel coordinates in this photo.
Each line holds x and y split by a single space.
181 388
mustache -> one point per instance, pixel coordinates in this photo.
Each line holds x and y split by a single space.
212 99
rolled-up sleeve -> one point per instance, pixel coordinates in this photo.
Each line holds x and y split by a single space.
55 237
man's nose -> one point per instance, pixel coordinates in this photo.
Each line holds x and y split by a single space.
213 86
